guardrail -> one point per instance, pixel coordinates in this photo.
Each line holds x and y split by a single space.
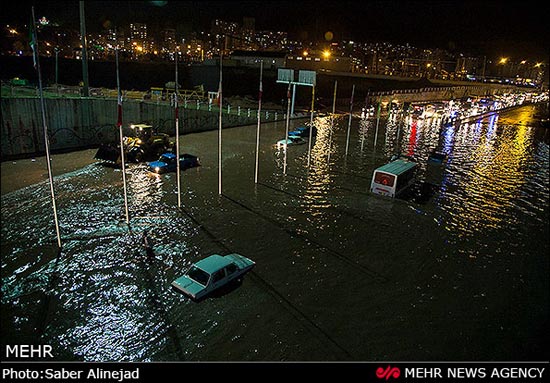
187 99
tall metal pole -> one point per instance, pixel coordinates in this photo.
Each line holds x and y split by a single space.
366 117
293 99
86 87
178 177
119 124
377 120
287 124
311 127
56 49
46 139
220 131
398 143
349 121
259 121
332 120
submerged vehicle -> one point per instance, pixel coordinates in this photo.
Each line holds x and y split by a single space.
292 140
303 131
394 177
212 273
437 158
167 163
143 145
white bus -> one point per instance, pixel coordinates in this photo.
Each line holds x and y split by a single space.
394 177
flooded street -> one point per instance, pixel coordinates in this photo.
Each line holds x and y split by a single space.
458 272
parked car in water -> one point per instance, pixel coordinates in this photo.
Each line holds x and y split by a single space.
303 131
292 140
167 163
211 273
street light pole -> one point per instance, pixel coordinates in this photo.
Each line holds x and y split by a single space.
56 50
349 121
220 130
178 177
286 125
34 43
85 88
332 121
259 121
311 127
121 137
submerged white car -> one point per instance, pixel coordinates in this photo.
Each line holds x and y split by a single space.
211 273
292 140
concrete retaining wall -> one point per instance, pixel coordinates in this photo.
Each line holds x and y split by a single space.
75 123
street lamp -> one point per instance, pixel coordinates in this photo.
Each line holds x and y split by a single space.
56 50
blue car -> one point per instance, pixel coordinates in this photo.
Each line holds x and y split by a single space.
167 163
211 273
302 131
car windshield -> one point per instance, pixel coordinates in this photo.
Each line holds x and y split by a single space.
198 275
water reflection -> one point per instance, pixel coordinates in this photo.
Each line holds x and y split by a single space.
364 127
487 176
319 178
486 172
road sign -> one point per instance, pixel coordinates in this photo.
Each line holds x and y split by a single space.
306 77
285 75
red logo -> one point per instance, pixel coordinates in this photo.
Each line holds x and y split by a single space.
389 372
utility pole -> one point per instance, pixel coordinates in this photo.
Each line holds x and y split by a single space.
56 50
36 58
86 87
178 177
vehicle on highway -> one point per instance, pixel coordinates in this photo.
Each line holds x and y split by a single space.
303 131
292 140
167 163
142 144
211 273
437 158
394 177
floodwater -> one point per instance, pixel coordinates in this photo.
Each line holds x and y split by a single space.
458 271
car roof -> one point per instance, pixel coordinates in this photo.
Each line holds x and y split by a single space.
213 263
168 155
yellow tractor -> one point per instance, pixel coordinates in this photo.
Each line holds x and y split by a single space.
143 145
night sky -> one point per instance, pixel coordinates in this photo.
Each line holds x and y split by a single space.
515 29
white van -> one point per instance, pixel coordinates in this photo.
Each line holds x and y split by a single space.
394 177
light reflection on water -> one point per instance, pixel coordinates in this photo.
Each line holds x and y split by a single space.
319 179
108 302
487 195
